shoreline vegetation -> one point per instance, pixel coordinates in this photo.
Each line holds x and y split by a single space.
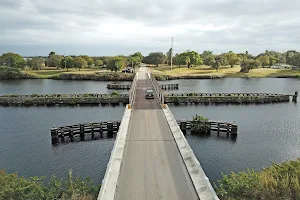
164 72
17 187
161 73
9 73
279 181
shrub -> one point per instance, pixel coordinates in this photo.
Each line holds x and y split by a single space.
199 124
280 181
115 93
15 187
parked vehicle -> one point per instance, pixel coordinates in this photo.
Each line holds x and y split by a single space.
128 70
149 94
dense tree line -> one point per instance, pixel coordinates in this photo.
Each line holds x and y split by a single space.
208 58
188 59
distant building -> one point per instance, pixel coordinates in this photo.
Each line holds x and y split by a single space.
281 66
295 68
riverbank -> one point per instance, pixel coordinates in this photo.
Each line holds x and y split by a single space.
280 181
206 72
16 187
7 73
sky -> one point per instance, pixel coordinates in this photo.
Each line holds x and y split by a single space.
122 27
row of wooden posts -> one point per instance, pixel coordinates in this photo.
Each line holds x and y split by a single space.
229 128
110 128
91 130
117 86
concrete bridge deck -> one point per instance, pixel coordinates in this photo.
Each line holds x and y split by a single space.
152 166
151 158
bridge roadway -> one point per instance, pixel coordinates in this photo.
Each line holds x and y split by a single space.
152 167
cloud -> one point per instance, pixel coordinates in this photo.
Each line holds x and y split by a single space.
143 25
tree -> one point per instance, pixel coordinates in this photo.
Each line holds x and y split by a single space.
232 58
54 61
116 63
249 64
67 62
208 58
272 60
36 63
79 63
179 60
12 60
168 56
219 61
154 58
264 60
133 61
52 53
216 65
138 54
88 59
99 63
188 61
194 58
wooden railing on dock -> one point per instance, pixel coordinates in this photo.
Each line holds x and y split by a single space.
117 86
169 86
63 99
229 128
239 98
107 129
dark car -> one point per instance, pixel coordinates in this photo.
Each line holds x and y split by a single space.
149 94
127 70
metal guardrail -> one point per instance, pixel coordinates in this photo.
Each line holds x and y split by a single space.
200 181
133 89
158 91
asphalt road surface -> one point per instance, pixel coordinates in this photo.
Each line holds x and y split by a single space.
152 167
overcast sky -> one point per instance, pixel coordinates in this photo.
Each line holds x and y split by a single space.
111 27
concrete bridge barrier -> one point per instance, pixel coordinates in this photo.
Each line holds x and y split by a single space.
109 183
200 181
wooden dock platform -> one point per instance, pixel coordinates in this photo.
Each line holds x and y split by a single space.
63 99
91 130
117 86
108 129
169 86
235 98
224 127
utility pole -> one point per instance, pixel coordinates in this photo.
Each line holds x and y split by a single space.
171 53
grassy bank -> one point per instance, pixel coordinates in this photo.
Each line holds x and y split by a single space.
280 181
83 74
7 73
207 72
15 187
51 72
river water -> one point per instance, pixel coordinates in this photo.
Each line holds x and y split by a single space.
266 133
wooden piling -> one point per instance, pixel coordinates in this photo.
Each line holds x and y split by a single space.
71 135
234 129
295 96
183 126
54 135
93 134
81 132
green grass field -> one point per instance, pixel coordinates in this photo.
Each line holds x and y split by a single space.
49 72
225 70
